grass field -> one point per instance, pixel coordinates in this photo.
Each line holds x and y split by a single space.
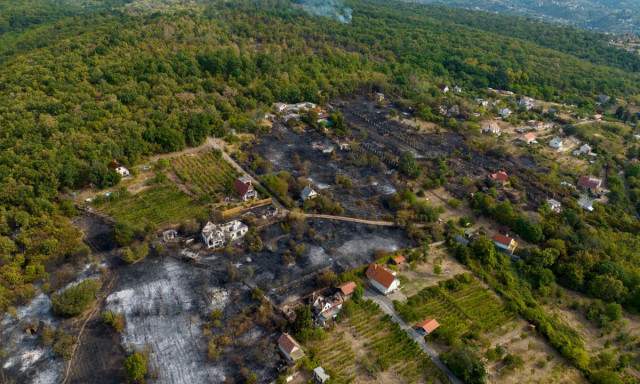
205 173
458 307
159 205
369 347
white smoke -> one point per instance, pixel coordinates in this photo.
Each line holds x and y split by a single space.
332 9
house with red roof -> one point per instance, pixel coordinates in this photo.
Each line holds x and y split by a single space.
399 260
290 348
528 138
427 326
382 279
500 177
505 243
244 188
590 183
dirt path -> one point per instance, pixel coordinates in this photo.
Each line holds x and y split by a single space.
351 220
90 316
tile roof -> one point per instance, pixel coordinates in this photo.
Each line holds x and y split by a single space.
589 182
399 259
381 275
287 343
502 239
502 176
429 325
242 188
347 288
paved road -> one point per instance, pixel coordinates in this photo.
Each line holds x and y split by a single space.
387 307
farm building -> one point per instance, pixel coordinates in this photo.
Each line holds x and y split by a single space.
590 183
505 243
244 188
492 128
555 205
427 326
500 177
399 260
556 143
290 348
528 138
320 375
308 193
347 289
215 235
382 279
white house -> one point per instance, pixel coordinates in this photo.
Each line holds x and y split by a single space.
444 88
308 193
492 128
555 205
505 243
504 112
290 348
382 279
526 102
482 103
585 149
586 204
215 235
556 143
124 172
320 375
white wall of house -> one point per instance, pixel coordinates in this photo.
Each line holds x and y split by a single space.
382 288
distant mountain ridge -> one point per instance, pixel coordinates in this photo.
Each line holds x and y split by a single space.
609 16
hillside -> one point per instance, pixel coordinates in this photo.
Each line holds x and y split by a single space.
598 15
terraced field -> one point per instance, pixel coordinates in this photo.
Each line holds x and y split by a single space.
205 172
369 347
468 306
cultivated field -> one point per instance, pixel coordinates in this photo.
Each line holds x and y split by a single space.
468 306
368 347
160 206
205 172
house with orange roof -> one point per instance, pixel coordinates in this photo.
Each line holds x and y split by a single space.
528 138
382 279
500 177
399 260
427 326
347 289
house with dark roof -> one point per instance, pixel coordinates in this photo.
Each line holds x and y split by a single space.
244 188
505 243
590 183
382 279
290 348
444 88
308 193
427 326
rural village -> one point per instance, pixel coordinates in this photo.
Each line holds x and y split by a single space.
333 248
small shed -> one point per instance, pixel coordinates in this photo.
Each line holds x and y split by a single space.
320 375
428 326
399 260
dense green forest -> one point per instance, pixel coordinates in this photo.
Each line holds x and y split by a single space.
82 86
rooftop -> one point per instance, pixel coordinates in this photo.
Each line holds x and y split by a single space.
380 274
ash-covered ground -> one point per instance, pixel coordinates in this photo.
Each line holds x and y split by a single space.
283 145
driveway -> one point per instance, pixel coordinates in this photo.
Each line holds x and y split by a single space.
387 307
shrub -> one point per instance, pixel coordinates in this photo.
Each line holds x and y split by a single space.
135 253
115 320
455 203
135 367
74 300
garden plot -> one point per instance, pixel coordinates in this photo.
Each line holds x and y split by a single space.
467 306
368 347
285 149
205 172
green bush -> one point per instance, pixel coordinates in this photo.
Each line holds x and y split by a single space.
115 320
74 300
135 367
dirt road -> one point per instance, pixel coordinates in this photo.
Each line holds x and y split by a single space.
387 307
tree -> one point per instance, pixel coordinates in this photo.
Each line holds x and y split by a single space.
303 324
135 367
485 251
75 299
607 288
408 165
604 376
466 365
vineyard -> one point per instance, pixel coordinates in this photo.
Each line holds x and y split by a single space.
159 206
205 173
458 307
370 347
